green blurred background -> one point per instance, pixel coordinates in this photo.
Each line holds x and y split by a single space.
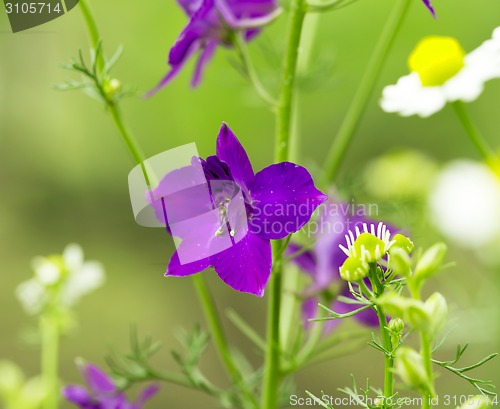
63 172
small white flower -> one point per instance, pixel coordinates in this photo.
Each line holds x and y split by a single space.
32 296
82 281
442 73
46 271
465 203
67 278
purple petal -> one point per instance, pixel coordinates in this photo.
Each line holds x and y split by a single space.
190 6
306 260
246 266
146 394
367 317
179 55
428 4
176 269
98 380
203 59
182 194
284 198
77 394
310 310
230 150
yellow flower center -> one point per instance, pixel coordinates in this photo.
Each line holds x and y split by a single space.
436 59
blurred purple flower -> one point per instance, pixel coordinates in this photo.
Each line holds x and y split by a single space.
101 392
230 227
322 263
212 23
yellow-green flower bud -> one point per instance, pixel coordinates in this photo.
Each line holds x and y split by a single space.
396 327
477 402
368 248
437 309
394 304
409 310
400 262
417 316
410 368
354 269
402 242
111 87
430 262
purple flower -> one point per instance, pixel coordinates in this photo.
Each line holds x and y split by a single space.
226 215
212 23
428 4
322 263
102 392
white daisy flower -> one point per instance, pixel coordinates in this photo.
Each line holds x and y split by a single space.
64 278
368 244
441 72
465 203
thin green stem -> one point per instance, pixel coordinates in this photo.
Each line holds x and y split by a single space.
219 337
114 110
92 28
285 103
378 288
473 131
272 362
284 109
50 350
250 71
361 98
389 359
426 353
129 139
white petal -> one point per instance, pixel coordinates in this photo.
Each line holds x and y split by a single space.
465 203
481 65
32 295
81 282
496 34
46 272
73 257
409 97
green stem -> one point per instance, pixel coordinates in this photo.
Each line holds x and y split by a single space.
426 353
272 362
261 91
284 111
92 28
358 105
378 289
219 337
285 103
114 110
50 348
389 359
473 131
129 139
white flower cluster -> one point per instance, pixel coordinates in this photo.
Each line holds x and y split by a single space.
67 275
